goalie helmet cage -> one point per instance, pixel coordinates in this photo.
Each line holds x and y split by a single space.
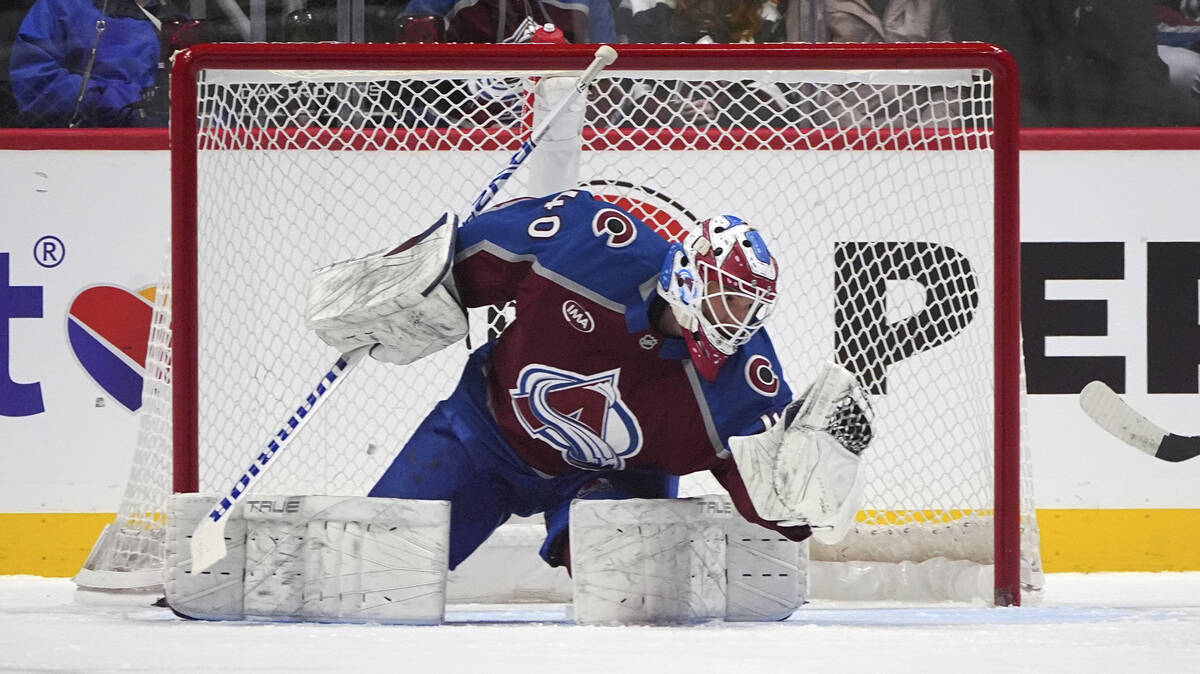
884 176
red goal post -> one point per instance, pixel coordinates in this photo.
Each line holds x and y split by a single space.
360 134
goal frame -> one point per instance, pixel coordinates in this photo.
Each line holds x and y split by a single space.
1005 115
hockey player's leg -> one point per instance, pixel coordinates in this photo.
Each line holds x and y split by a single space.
640 555
324 557
638 561
437 463
606 486
680 561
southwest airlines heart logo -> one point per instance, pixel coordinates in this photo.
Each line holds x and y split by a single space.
108 328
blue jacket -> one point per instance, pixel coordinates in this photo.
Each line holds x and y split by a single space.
52 49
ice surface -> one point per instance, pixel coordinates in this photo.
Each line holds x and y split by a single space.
1085 623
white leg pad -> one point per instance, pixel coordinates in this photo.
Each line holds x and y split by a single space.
319 558
686 560
216 593
767 573
638 561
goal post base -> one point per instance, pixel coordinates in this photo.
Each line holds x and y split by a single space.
932 580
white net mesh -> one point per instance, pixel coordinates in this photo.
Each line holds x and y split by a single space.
874 189
130 553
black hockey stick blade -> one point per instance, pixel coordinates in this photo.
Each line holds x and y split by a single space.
1123 422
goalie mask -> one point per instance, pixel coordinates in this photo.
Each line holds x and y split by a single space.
720 284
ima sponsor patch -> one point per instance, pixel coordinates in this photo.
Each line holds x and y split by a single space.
577 316
761 376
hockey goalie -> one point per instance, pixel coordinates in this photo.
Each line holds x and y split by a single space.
631 361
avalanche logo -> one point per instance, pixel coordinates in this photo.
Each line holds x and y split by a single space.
581 416
760 376
615 225
108 328
662 212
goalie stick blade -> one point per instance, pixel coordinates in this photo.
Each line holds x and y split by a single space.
1121 421
208 544
208 541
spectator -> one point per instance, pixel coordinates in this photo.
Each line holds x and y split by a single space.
317 21
680 21
91 62
581 21
682 103
889 21
1082 62
1179 48
10 20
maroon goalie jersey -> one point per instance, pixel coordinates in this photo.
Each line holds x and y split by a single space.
582 380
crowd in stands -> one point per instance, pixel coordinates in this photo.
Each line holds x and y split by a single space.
1086 63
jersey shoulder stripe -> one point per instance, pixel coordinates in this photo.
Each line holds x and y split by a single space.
573 235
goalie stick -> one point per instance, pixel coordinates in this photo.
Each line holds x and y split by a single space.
208 540
1123 422
605 55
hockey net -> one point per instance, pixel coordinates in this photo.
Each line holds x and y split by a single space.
888 195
